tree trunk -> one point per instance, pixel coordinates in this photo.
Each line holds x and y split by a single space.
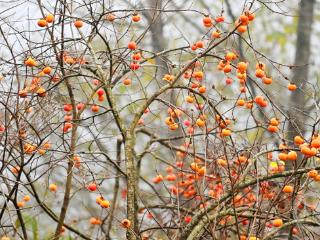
132 203
300 73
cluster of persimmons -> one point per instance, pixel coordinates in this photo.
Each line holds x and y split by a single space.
190 177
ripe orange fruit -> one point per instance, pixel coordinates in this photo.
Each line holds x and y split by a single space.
95 108
105 204
243 237
95 221
230 56
46 145
242 81
308 151
207 21
200 44
15 170
80 106
169 169
189 99
20 204
277 222
26 198
23 93
42 23
67 107
127 81
77 161
194 166
30 62
200 122
242 67
249 105
242 29
134 66
169 121
219 19
69 60
47 70
78 23
28 148
267 80
272 129
259 100
41 151
298 140
315 143
216 34
173 126
198 75
136 56
125 223
221 162
176 113
313 151
251 16
226 132
132 45
292 87
229 81
201 171
187 219
287 189
41 92
295 230
227 68
68 118
312 173
171 177
243 89
317 178
193 47
41 74
28 110
283 156
100 92
53 187
194 85
292 155
202 89
157 179
67 126
110 17
92 187
99 199
244 19
49 18
168 77
240 102
260 73
136 17
274 122
101 98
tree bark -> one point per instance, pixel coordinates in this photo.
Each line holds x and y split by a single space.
132 204
300 73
